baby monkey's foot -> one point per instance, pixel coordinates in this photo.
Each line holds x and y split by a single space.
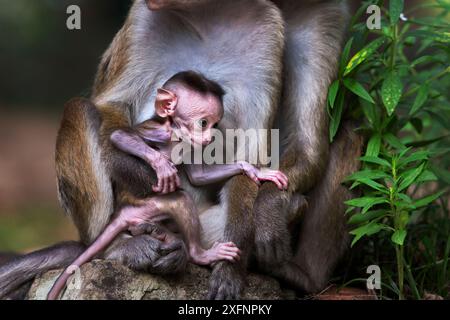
219 251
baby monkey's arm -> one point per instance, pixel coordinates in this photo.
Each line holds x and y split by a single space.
201 174
133 141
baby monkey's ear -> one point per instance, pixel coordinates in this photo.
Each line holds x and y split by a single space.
166 103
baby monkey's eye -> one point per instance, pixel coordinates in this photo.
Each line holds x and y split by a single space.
202 123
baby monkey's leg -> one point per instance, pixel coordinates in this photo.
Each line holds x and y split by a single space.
182 209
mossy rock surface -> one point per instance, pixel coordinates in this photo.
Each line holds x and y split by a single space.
101 280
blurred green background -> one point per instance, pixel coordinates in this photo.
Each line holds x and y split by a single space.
42 65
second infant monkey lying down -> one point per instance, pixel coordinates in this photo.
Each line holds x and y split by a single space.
187 107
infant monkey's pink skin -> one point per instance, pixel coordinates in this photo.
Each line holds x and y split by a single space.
140 219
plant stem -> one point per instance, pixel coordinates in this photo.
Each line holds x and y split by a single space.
396 214
400 270
394 46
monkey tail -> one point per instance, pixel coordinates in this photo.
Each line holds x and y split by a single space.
22 269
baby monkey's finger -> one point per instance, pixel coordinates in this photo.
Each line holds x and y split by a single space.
172 184
177 181
254 177
282 179
227 257
275 180
156 188
166 185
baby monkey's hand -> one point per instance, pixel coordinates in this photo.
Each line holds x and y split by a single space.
265 174
167 173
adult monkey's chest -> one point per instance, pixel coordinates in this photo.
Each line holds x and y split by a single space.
231 42
218 32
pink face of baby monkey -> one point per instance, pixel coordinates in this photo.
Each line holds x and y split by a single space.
192 113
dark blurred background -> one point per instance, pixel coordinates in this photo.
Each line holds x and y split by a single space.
42 65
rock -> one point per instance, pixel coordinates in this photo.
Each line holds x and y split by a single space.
101 279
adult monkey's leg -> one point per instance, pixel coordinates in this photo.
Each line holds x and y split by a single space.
227 280
323 235
314 37
84 188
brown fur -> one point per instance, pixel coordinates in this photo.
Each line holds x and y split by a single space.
113 63
77 189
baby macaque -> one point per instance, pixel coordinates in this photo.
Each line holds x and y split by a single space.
187 107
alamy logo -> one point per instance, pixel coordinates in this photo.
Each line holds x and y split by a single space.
374 280
256 146
374 20
73 22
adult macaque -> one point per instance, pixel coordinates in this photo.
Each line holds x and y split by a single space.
243 45
187 108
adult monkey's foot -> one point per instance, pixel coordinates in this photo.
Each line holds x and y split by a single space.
226 282
144 252
272 238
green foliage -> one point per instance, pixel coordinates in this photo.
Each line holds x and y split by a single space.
396 85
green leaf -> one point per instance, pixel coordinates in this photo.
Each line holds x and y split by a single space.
442 174
428 199
372 113
371 174
365 201
373 146
405 151
443 37
426 34
398 237
411 281
443 4
367 229
369 215
403 219
395 9
410 176
405 197
416 156
354 185
332 93
425 176
423 59
345 55
374 185
376 160
403 205
349 209
421 98
394 141
404 202
336 116
391 92
358 89
423 143
362 55
417 124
